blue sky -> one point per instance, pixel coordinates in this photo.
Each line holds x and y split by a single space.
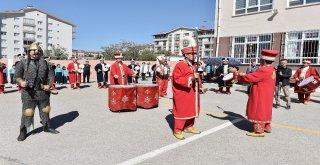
103 22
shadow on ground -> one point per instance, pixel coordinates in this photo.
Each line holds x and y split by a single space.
244 125
59 121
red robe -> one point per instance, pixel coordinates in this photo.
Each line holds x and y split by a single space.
73 77
259 106
122 74
184 96
2 79
310 72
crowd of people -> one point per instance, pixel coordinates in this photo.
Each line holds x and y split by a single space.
37 76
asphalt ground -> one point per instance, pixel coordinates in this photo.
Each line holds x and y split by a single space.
91 134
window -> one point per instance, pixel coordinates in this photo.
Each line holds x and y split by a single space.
186 34
16 42
16 34
3 49
50 38
28 21
248 48
27 42
50 31
252 6
39 22
302 44
39 36
39 29
3 33
17 27
28 28
3 25
28 35
16 49
3 41
49 24
16 19
302 2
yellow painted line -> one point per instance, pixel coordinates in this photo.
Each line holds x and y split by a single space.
296 128
273 124
218 114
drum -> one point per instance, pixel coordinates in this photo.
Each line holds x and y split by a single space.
228 77
309 84
147 95
122 97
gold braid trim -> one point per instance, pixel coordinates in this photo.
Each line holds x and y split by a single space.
259 122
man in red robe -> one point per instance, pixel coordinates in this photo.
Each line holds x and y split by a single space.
119 71
186 87
302 73
259 106
74 74
162 74
2 78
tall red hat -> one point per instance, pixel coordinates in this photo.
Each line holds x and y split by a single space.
190 50
269 55
118 55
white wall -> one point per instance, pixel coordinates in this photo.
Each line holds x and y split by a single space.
287 19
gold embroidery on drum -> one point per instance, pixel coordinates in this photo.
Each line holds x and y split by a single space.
147 100
113 101
314 82
113 93
147 91
134 101
156 96
125 99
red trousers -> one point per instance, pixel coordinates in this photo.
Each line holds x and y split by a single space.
179 124
77 85
1 88
163 85
304 96
19 88
261 127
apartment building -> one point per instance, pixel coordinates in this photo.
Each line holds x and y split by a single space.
244 27
20 28
174 41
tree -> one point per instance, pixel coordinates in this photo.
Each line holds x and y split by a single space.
129 49
147 55
165 52
56 53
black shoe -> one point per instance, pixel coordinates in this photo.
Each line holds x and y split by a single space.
50 130
276 106
288 107
23 134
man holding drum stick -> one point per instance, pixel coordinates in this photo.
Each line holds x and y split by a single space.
259 108
302 73
119 72
186 86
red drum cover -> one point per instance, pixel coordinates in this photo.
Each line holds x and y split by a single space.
122 97
147 95
309 85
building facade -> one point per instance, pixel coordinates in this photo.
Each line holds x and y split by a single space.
173 41
21 28
244 27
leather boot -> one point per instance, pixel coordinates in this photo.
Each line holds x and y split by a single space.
50 130
23 134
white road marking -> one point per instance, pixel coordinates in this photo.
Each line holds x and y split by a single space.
172 146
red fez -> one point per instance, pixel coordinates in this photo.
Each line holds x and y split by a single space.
73 57
190 50
307 61
118 55
269 55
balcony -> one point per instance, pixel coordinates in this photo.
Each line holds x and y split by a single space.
29 31
177 38
29 39
29 24
160 39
